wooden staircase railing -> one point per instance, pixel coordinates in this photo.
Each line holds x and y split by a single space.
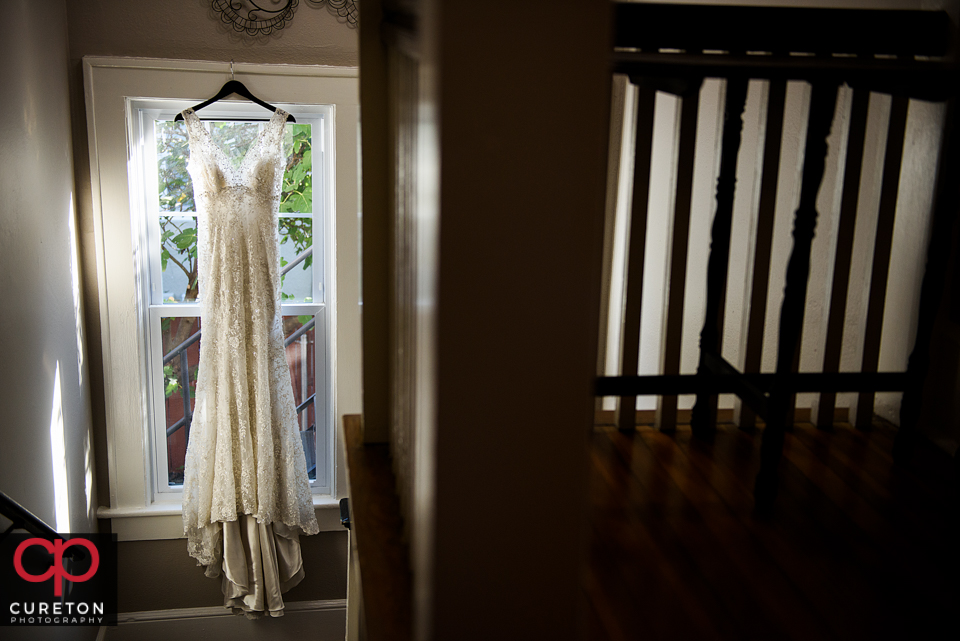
673 49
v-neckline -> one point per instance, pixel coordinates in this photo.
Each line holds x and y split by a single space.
256 143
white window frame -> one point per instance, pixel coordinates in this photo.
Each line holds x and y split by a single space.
113 87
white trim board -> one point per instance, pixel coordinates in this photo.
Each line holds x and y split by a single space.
247 69
219 611
165 521
319 620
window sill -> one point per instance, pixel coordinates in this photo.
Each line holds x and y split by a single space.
164 520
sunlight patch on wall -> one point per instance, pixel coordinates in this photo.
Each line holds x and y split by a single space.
58 453
75 282
88 479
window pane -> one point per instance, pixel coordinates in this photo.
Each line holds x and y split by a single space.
297 195
179 369
296 236
178 258
176 189
300 350
179 276
301 356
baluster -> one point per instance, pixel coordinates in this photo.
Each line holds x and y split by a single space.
666 419
886 217
766 214
704 417
615 161
303 377
633 277
822 106
185 394
823 416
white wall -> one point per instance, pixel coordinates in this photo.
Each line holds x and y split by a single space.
46 460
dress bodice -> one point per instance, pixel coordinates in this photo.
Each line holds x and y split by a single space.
237 208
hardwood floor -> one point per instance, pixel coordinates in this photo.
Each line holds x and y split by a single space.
857 548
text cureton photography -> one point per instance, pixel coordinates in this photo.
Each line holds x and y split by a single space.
46 613
70 580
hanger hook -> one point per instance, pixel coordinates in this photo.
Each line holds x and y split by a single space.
231 69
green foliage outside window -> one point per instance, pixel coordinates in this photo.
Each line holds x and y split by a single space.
171 380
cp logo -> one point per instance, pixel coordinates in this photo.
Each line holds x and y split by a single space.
57 571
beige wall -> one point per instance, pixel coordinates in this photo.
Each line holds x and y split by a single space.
191 30
147 569
44 386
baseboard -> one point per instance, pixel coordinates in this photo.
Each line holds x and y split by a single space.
220 611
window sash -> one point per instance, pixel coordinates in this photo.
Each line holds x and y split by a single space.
166 492
146 113
145 195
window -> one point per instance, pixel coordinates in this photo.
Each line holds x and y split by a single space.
145 234
168 274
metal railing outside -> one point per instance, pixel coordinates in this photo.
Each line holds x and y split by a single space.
180 351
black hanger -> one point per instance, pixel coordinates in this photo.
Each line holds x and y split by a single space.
235 87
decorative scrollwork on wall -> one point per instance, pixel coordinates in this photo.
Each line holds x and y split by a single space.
250 18
346 9
247 16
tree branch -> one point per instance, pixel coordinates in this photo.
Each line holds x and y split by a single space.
186 272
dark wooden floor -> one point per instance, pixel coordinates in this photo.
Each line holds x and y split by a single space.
857 547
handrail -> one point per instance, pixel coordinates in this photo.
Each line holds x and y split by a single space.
22 518
307 402
302 256
821 31
176 426
182 346
303 329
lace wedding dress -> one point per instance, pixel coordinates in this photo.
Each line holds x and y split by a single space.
246 496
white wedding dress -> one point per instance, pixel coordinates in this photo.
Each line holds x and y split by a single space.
246 495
